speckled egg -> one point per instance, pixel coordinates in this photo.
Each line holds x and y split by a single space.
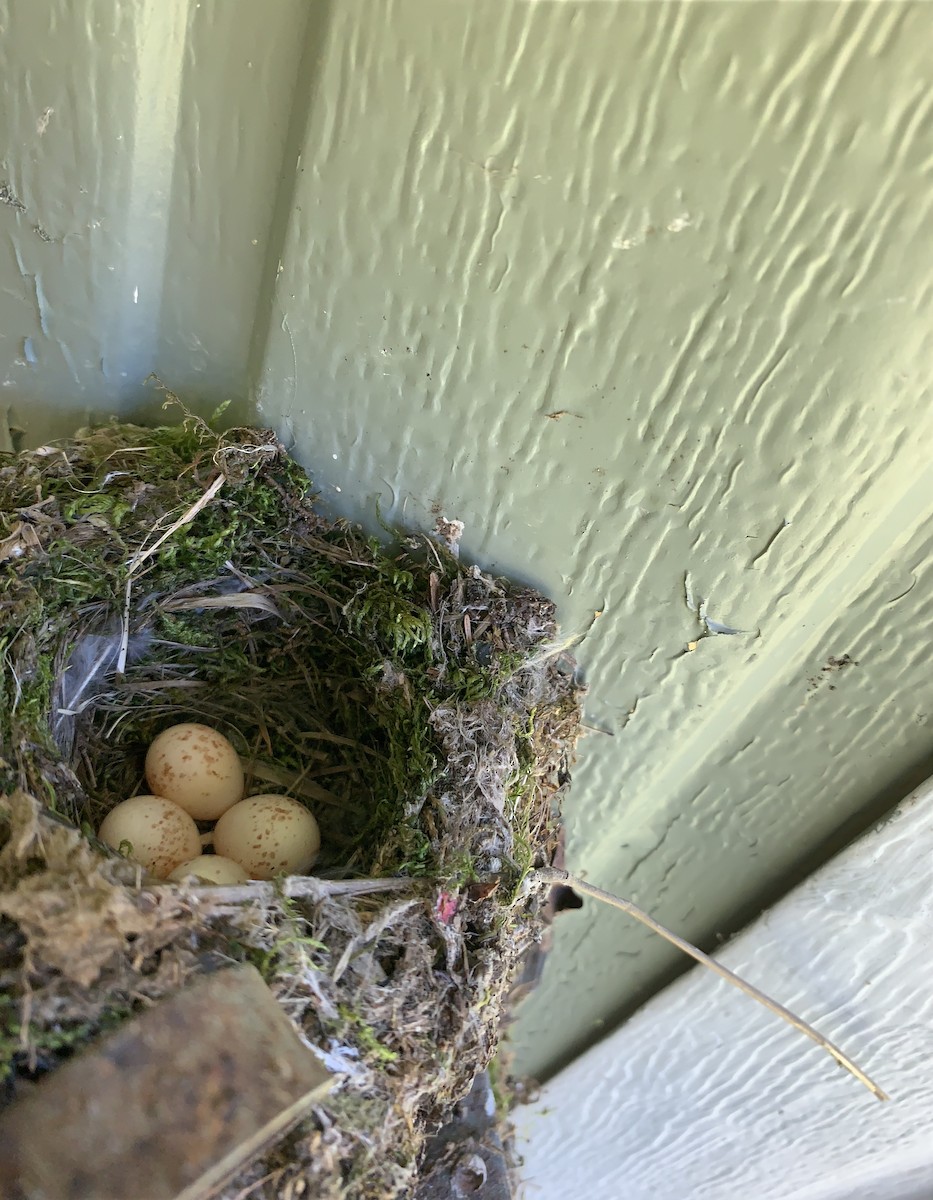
196 767
210 868
268 835
153 832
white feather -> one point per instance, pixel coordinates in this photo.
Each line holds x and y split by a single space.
90 670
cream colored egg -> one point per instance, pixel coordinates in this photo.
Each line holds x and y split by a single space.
153 831
210 868
196 767
268 836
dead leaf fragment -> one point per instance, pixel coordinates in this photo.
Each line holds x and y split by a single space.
76 929
21 539
235 600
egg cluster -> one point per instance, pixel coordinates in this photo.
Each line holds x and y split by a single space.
196 775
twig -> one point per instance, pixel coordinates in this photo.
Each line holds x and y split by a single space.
294 887
258 1183
553 875
125 627
141 555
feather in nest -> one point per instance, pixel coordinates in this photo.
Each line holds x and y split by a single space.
89 670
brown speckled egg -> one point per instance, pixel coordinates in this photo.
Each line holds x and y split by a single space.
268 835
196 767
210 868
153 832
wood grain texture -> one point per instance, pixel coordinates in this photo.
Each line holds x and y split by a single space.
703 1094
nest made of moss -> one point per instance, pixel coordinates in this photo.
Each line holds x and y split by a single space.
423 710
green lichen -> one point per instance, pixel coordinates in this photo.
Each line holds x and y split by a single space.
365 1037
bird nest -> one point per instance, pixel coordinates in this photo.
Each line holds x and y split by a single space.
423 710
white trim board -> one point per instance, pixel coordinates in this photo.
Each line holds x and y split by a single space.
703 1094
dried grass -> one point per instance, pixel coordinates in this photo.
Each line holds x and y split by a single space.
422 709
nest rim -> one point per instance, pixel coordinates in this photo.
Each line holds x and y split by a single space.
467 905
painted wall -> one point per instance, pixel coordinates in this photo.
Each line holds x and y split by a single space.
639 292
705 1094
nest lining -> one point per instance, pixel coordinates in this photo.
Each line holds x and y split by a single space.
418 706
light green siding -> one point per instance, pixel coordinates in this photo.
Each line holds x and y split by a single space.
640 292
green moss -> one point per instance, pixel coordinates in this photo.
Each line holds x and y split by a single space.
382 682
365 1037
56 1041
356 618
291 942
458 871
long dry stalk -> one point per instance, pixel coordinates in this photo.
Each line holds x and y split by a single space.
552 875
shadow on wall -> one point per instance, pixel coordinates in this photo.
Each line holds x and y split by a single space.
849 831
